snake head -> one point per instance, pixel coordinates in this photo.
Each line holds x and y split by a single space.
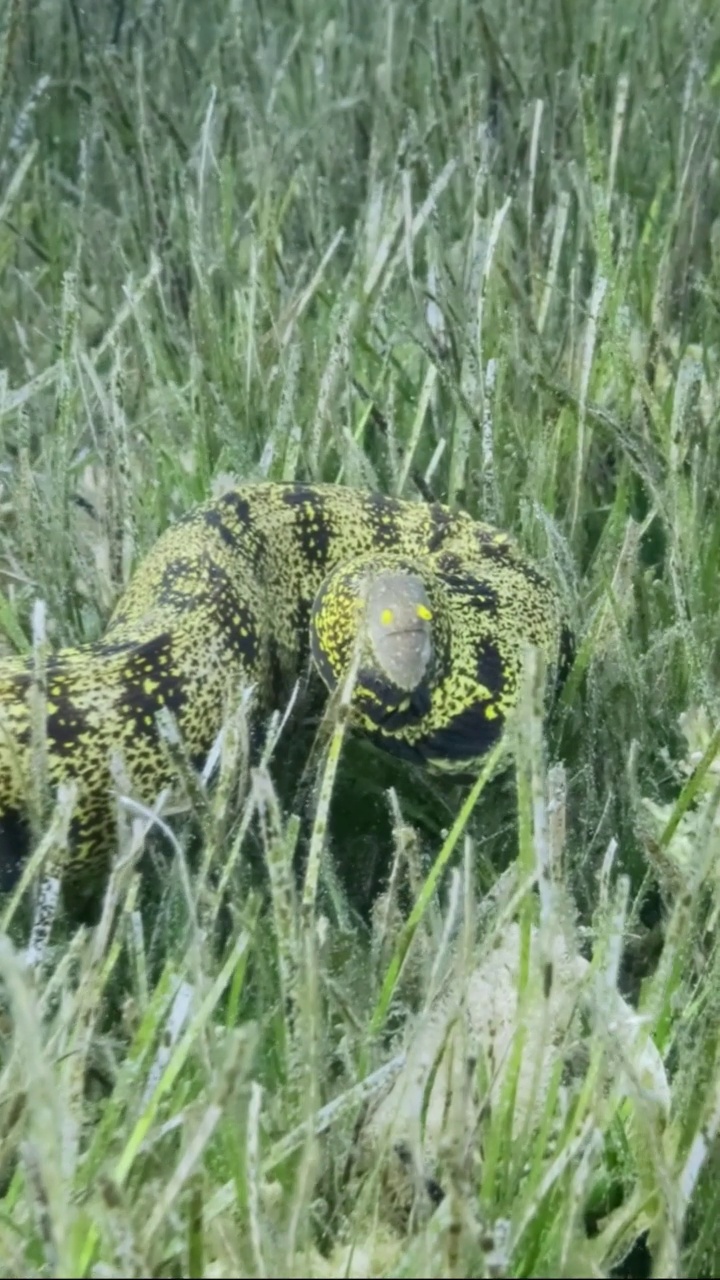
378 613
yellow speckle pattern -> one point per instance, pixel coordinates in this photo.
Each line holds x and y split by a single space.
240 591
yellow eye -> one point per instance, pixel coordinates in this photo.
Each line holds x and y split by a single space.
386 617
424 613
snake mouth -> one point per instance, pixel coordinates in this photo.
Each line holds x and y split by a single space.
406 655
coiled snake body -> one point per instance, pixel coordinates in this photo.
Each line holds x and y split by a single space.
434 607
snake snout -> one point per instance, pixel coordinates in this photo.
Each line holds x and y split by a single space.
399 626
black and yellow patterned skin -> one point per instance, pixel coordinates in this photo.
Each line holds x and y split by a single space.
239 592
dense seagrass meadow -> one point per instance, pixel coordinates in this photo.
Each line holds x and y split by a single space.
467 251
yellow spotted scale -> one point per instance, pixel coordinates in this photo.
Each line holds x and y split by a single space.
434 607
